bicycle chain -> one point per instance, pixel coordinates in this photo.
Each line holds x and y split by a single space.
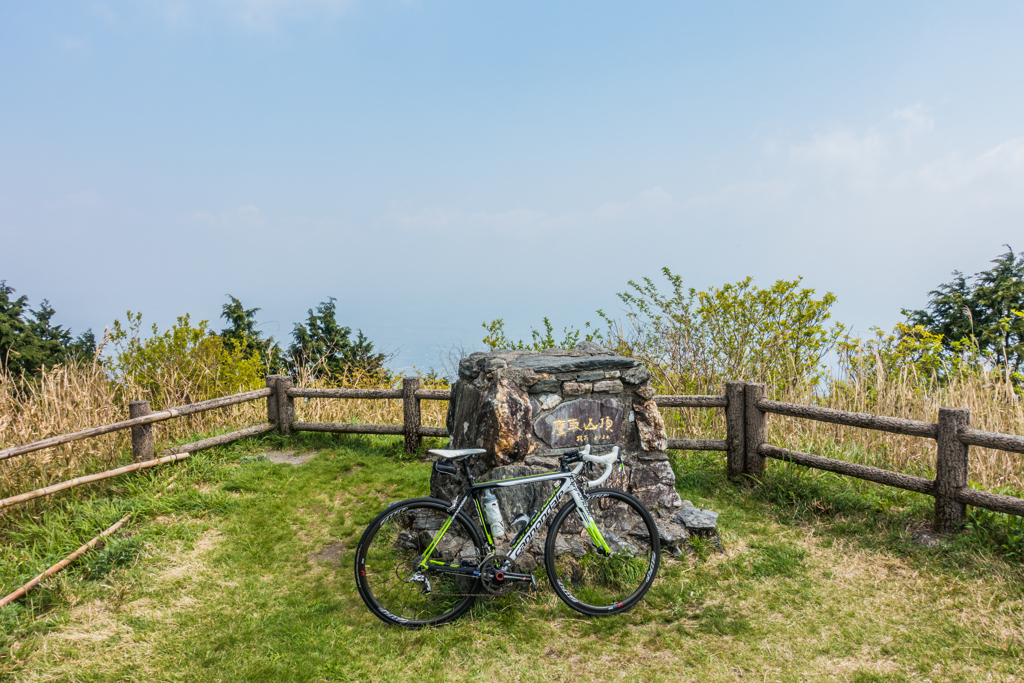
489 595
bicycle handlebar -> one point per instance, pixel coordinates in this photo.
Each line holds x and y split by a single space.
607 460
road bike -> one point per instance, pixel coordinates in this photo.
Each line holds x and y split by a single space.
424 562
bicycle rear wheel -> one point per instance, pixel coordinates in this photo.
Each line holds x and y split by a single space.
592 582
390 553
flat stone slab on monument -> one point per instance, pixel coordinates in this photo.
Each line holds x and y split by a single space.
568 364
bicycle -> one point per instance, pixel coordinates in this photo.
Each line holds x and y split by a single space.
424 562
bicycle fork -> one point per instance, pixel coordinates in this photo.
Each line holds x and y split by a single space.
589 523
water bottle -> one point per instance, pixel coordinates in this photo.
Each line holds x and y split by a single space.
493 514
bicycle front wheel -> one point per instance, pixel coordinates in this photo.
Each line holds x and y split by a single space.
597 582
392 552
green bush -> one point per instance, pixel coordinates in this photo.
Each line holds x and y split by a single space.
184 364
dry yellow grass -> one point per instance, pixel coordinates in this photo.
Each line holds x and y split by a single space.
994 407
66 399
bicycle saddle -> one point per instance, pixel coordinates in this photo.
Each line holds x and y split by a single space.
457 454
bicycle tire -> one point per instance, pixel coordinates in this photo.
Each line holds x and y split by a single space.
590 582
389 551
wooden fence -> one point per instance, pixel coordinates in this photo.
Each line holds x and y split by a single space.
746 412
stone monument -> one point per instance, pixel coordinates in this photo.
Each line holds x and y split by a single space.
526 407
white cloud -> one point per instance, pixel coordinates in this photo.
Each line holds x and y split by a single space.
913 157
843 150
993 177
916 121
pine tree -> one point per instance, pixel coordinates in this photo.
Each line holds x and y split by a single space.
242 331
30 342
986 309
325 347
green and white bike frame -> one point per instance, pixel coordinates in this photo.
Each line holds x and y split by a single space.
568 486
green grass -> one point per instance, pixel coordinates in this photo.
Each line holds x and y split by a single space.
243 572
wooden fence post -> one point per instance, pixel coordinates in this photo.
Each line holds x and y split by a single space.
951 469
755 429
285 405
734 432
142 435
411 413
271 381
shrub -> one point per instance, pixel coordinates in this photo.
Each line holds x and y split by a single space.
695 340
184 364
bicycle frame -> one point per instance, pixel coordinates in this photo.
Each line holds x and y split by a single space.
526 534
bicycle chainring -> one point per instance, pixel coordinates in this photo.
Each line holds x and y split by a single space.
491 568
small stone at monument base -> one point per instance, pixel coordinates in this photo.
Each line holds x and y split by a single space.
697 521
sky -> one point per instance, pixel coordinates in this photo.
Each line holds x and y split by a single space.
434 165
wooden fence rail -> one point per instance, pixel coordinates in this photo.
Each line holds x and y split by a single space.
146 419
747 410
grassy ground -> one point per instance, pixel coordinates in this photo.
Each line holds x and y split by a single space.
243 572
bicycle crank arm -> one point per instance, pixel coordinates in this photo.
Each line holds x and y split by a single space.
512 576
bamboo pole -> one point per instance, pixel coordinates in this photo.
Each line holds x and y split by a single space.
78 481
63 563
